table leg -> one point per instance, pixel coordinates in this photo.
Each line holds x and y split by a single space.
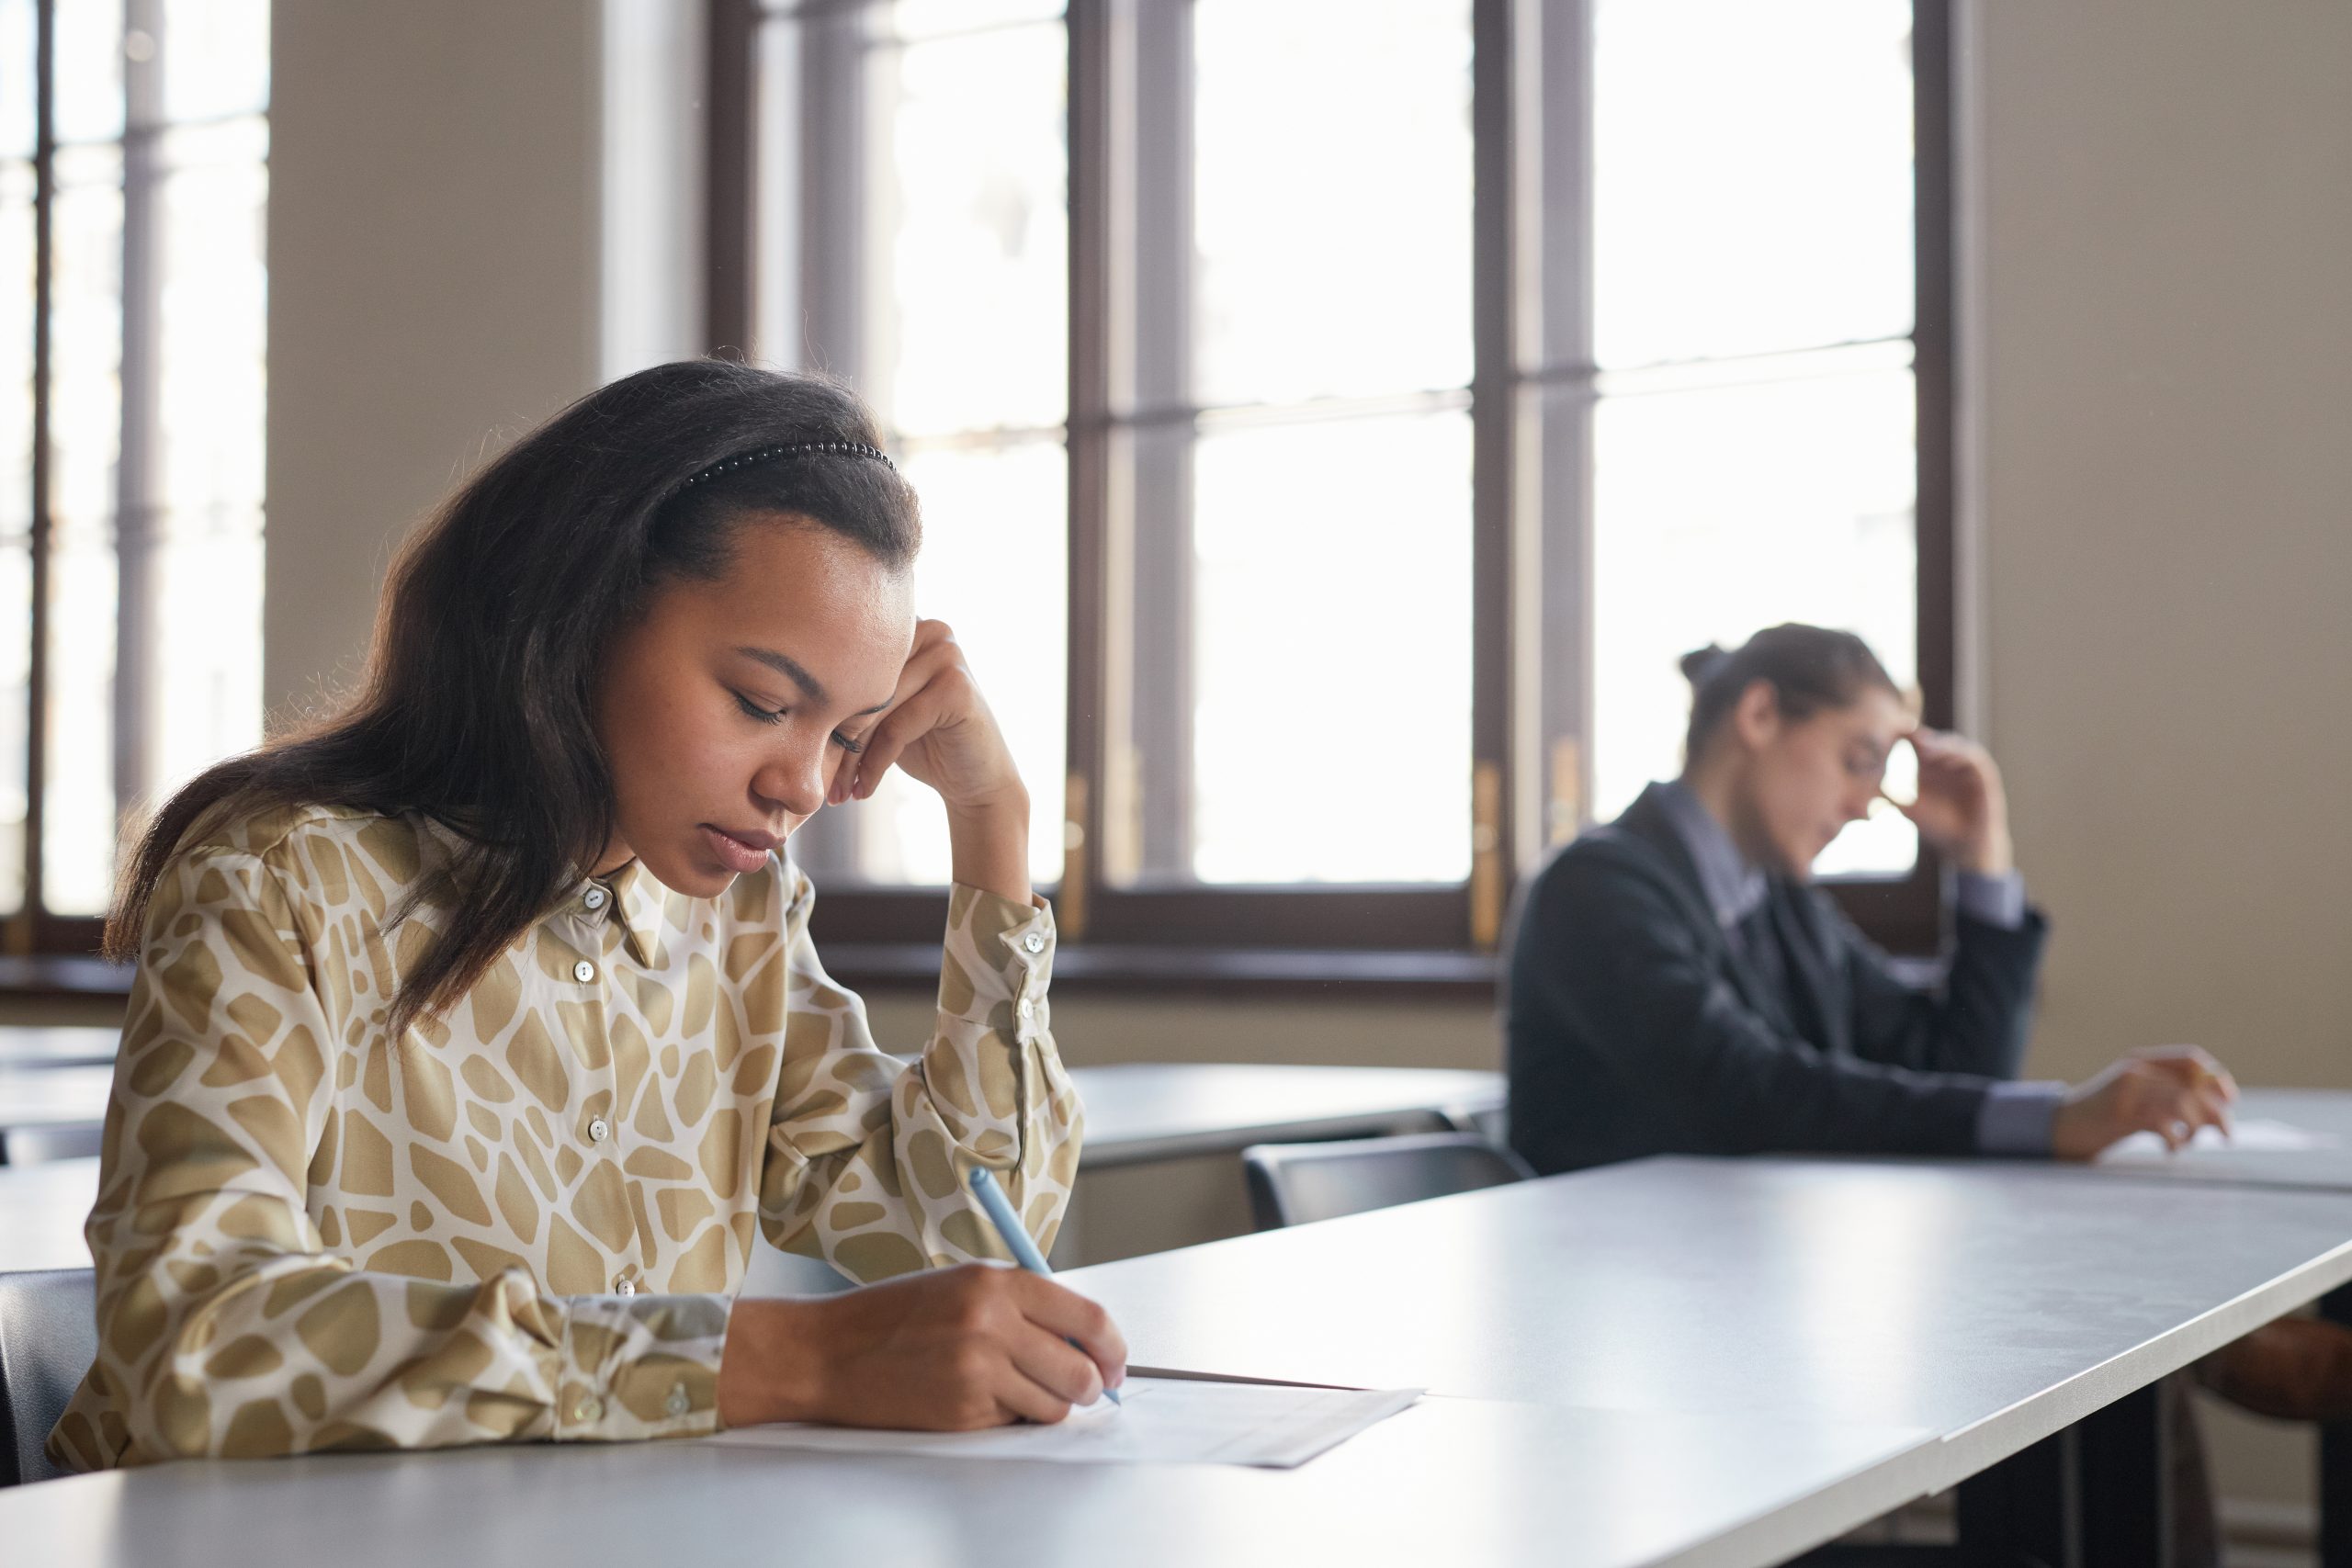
2126 1453
2336 1462
2024 1512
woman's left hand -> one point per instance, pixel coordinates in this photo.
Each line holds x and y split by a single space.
1961 809
939 731
938 728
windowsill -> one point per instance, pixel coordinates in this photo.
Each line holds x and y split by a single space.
1084 969
1328 975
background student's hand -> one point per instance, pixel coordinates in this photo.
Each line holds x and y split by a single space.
948 1351
1961 809
2170 1091
939 731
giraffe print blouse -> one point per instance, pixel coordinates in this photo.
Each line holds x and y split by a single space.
524 1220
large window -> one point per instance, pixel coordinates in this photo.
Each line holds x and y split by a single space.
133 152
1335 417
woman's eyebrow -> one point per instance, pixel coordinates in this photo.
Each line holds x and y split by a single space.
810 687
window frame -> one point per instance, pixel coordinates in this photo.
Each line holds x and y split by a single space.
1530 484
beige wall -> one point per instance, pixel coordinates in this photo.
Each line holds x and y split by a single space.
2163 383
434 261
2166 482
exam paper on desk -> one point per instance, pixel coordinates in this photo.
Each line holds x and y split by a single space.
2254 1136
1164 1421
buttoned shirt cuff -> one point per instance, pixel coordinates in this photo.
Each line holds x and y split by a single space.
1014 946
639 1367
2016 1118
1996 900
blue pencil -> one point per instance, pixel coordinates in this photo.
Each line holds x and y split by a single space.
1016 1236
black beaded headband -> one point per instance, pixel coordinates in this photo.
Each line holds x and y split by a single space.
792 450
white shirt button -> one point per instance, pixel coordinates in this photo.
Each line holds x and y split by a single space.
583 971
596 899
624 1287
680 1403
589 1409
1035 941
597 1129
1027 1008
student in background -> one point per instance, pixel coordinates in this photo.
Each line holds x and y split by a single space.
477 1031
1677 985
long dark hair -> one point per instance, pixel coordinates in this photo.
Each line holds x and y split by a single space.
1810 669
476 706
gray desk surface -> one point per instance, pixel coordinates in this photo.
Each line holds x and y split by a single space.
1708 1362
1133 1114
1445 1481
1992 1303
54 1096
41 1210
1146 1112
2327 1113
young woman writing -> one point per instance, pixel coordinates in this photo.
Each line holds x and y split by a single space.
477 1032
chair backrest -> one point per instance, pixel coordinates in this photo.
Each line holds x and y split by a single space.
49 1337
39 1145
1295 1184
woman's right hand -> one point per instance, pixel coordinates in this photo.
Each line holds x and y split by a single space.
948 1351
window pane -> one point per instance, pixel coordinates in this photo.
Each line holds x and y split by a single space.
78 826
1722 510
86 413
17 98
16 503
216 56
995 567
968 296
206 678
89 71
16 350
1331 193
1752 176
1331 652
214 285
16 683
931 18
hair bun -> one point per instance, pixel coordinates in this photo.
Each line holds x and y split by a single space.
1697 666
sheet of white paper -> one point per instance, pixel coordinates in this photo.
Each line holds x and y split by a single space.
1164 1421
2253 1136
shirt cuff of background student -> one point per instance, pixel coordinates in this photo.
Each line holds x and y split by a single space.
2015 1118
2018 1118
1996 900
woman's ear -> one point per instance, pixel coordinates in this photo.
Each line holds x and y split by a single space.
1756 718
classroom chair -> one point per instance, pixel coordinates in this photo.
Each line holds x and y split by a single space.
1296 1184
49 1337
